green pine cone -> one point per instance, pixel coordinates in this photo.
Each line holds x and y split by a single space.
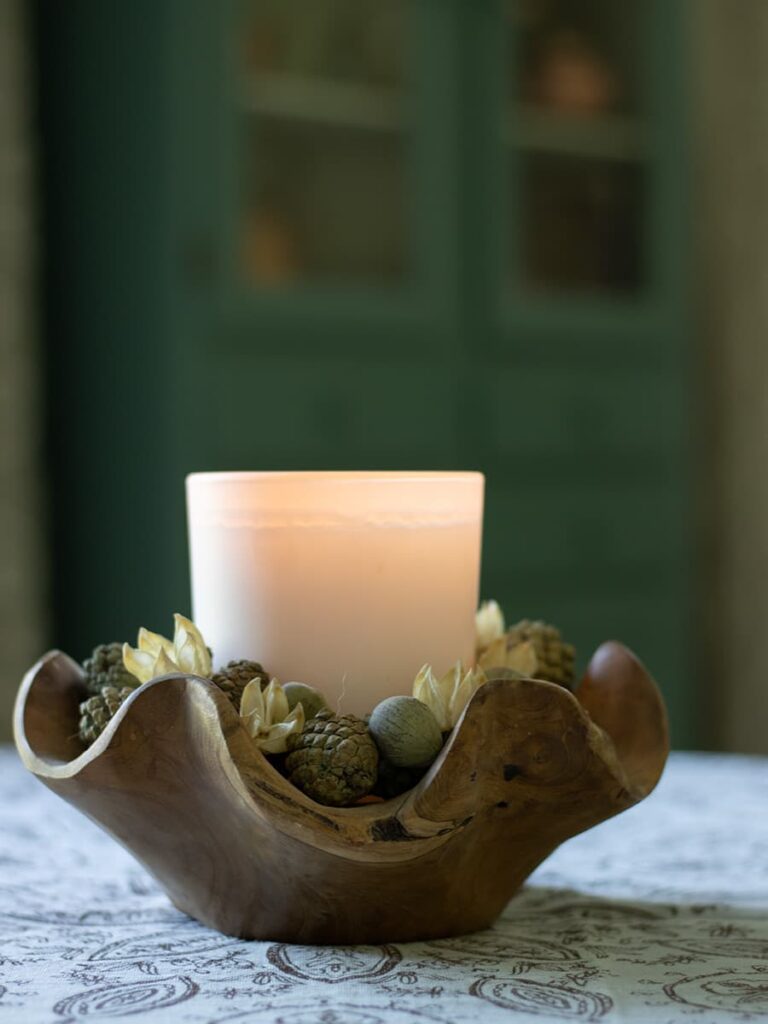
235 676
105 667
333 760
96 712
556 658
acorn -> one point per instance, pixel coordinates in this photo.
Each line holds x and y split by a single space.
406 732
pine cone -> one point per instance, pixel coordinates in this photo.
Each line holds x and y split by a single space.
96 712
555 658
105 668
236 675
334 760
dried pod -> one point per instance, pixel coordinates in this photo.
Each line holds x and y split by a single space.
406 732
310 699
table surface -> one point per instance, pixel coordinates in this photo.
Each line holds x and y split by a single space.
659 915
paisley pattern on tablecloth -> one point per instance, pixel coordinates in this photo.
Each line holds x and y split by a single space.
660 915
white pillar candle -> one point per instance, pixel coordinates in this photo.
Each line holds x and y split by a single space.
349 582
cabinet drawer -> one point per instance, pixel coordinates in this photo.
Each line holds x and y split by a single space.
543 411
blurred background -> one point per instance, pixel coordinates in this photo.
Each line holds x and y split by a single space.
524 236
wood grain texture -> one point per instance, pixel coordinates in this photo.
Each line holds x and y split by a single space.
177 780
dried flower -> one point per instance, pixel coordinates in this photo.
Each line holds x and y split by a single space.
535 649
447 697
156 656
267 716
519 656
489 624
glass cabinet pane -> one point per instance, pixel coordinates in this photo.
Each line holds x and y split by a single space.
324 160
580 223
574 134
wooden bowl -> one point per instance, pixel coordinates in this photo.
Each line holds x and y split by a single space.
176 779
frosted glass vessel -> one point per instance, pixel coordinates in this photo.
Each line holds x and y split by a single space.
347 581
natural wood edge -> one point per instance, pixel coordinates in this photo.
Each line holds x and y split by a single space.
623 700
520 744
210 718
523 742
61 678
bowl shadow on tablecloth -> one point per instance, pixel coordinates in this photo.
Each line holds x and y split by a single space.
578 955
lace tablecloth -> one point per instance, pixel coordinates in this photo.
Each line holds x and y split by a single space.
659 915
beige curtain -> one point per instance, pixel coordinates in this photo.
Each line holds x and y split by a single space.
22 565
730 187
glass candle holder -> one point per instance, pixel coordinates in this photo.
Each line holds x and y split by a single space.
346 581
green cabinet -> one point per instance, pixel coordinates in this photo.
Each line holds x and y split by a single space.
421 234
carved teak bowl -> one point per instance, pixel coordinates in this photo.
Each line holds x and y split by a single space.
176 779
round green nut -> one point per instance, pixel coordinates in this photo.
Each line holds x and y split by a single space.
406 732
311 699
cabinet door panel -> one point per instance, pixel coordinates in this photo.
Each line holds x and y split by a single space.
569 527
324 125
334 413
575 129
